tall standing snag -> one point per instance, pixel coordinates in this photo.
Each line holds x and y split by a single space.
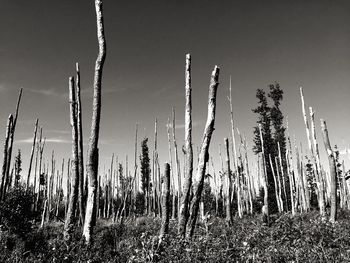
204 151
4 165
92 162
228 191
333 172
183 216
80 147
166 201
32 153
73 198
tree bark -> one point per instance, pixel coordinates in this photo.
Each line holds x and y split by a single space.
80 146
32 153
4 165
166 201
73 198
228 184
320 179
204 151
12 137
92 163
184 208
333 172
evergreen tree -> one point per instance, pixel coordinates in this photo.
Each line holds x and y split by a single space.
18 168
145 166
271 120
276 94
264 118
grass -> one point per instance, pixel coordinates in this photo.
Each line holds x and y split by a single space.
302 238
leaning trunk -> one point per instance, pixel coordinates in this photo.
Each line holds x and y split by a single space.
92 162
204 152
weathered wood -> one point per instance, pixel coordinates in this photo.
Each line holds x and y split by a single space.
11 139
73 199
204 151
177 165
184 208
4 165
92 162
333 172
228 184
32 153
80 146
320 179
166 201
265 208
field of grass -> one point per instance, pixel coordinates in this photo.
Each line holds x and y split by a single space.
302 238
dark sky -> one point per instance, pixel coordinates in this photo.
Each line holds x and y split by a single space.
296 43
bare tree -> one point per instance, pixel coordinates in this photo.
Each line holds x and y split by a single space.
73 198
204 151
80 146
4 165
32 153
228 191
92 162
166 201
333 172
188 150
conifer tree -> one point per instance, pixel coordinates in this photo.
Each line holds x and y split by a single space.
145 165
276 94
18 168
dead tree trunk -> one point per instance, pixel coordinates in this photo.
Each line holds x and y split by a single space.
92 163
265 208
321 197
228 185
70 217
32 153
12 137
204 152
188 150
166 201
4 165
333 172
177 166
80 147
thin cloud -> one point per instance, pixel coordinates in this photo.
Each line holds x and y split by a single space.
182 125
48 140
47 92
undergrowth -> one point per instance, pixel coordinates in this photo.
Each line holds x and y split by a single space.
302 238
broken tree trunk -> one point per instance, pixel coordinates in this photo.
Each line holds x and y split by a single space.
204 152
80 146
177 166
333 172
321 196
184 208
12 137
166 201
4 165
228 185
70 217
32 153
92 162
265 208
